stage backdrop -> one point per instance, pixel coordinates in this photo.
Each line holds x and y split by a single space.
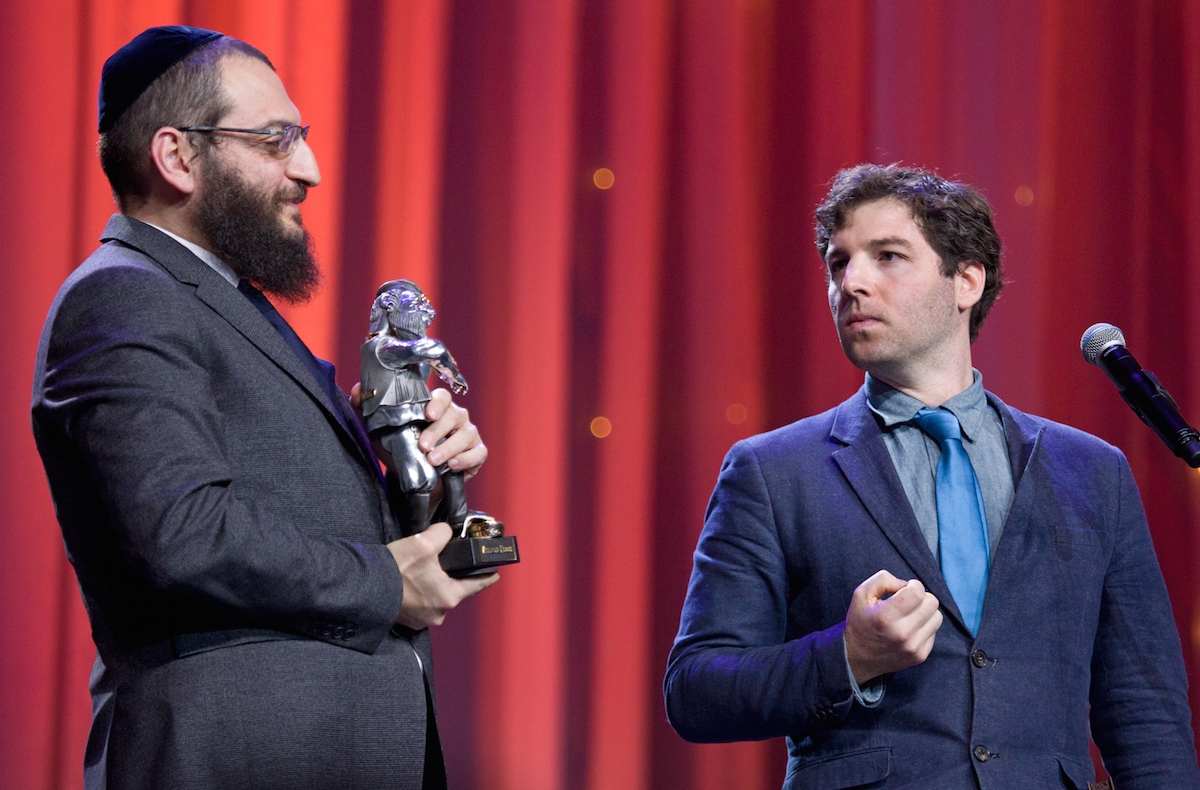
609 202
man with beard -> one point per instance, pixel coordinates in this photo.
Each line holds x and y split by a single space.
259 620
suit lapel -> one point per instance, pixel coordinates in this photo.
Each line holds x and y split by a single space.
867 466
1023 436
225 300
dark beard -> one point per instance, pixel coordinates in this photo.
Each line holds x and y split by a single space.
244 229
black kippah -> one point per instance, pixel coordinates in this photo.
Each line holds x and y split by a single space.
135 66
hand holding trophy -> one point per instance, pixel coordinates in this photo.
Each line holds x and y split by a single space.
396 361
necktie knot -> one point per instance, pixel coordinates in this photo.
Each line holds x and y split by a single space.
941 424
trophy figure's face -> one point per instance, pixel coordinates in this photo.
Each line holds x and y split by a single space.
408 312
411 308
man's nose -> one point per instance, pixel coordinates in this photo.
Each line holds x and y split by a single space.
302 166
856 276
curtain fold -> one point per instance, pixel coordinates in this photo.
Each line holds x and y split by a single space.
619 337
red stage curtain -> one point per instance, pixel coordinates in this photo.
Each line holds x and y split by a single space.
459 144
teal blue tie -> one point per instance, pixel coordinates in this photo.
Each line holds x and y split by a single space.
962 525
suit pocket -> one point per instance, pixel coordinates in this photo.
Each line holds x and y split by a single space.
1076 775
851 769
184 645
1095 538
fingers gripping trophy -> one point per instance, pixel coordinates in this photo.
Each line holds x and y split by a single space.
396 362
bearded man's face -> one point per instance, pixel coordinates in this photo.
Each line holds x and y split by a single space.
245 226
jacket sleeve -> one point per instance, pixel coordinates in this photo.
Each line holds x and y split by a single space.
1140 716
136 450
733 674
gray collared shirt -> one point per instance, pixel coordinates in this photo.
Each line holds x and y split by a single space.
915 454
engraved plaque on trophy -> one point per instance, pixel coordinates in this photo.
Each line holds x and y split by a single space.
397 359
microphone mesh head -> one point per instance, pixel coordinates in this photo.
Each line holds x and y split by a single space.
1097 338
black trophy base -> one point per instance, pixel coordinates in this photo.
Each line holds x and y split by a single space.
464 557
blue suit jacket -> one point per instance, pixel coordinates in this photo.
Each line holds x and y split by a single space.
1076 614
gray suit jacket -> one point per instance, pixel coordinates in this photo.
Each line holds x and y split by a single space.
228 533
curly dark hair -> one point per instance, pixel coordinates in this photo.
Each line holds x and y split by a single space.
187 94
954 218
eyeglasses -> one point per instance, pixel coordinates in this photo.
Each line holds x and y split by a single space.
287 135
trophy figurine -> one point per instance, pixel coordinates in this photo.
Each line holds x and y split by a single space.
396 361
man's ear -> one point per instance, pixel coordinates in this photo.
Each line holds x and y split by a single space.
174 158
970 278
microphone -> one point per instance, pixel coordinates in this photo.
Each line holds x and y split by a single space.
1103 345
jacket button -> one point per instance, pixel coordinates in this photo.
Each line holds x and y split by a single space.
979 659
982 754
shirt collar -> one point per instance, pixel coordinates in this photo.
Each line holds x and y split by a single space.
218 265
892 407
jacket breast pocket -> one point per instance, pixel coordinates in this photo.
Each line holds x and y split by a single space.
850 769
1076 543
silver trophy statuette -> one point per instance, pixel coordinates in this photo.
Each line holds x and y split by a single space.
397 359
